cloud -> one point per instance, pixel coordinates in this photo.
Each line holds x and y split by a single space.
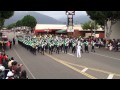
59 14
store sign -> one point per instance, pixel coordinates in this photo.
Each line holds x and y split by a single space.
70 20
70 12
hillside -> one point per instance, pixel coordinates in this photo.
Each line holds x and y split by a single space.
41 19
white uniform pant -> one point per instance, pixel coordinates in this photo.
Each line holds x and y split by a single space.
78 53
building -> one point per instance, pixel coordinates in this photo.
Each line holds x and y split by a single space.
62 29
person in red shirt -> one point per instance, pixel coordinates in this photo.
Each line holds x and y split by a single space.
1 58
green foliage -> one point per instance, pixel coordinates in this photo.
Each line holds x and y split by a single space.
5 15
29 21
102 16
11 25
19 23
90 25
1 22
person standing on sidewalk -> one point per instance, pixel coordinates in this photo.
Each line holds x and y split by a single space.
13 41
93 46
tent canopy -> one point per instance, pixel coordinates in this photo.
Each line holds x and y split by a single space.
61 31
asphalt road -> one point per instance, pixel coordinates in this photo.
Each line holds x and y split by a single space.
102 64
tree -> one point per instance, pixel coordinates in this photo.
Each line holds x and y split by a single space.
11 26
29 21
5 15
106 19
19 23
90 25
1 22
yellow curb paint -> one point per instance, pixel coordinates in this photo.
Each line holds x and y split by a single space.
71 67
106 72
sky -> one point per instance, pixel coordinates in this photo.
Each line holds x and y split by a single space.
59 14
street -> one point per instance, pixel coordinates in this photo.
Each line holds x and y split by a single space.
102 64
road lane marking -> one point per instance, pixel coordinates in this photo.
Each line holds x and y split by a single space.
71 67
94 69
106 56
110 76
84 70
24 63
70 54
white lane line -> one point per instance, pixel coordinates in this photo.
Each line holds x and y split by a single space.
84 70
110 76
70 54
24 64
106 56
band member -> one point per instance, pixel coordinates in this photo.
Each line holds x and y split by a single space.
86 46
65 47
42 48
81 44
50 48
57 48
73 47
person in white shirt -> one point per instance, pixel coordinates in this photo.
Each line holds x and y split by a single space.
93 46
78 51
110 47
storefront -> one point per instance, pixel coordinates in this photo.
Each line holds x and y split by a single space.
62 29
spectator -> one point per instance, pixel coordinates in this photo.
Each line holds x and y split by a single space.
14 66
13 41
5 61
10 44
10 75
23 75
2 69
10 63
1 58
17 73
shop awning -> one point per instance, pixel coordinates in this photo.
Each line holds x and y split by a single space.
61 31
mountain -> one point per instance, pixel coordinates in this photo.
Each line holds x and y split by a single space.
41 19
79 19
